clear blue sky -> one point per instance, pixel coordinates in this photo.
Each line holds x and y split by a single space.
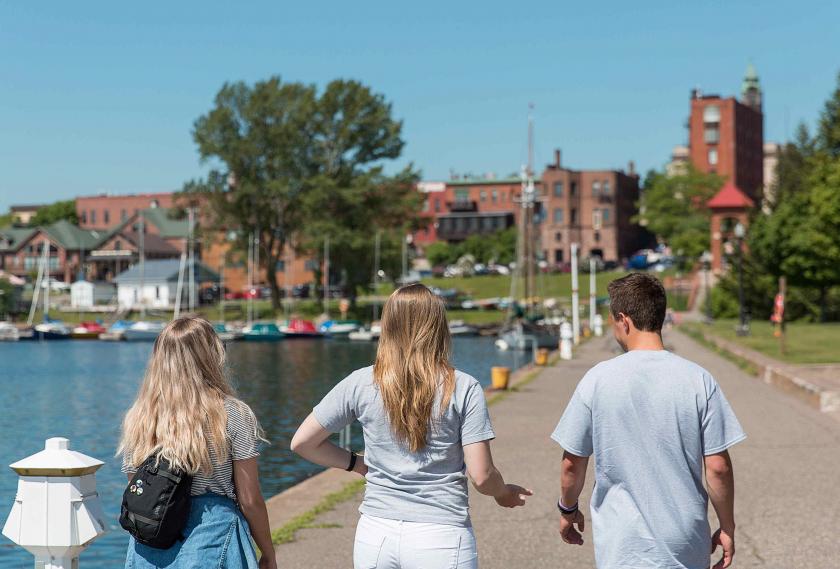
101 96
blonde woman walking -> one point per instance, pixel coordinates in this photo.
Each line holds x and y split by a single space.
187 414
426 428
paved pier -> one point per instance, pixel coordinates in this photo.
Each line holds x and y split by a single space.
787 478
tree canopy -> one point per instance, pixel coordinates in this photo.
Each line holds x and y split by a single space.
674 209
295 165
57 211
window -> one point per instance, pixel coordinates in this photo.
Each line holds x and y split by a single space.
711 114
494 196
280 266
311 265
117 245
558 255
605 187
154 204
157 293
482 195
426 205
93 216
558 236
573 217
462 195
573 189
437 207
84 217
605 216
596 219
558 215
106 218
123 215
596 187
597 236
711 134
713 156
558 189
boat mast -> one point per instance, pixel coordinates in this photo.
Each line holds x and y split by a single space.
37 291
47 273
142 266
376 274
529 214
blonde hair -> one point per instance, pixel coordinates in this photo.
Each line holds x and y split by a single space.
412 362
180 411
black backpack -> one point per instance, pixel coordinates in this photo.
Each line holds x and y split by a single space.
156 503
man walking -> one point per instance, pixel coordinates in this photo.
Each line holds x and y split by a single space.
654 422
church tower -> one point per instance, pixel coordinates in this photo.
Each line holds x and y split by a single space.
751 89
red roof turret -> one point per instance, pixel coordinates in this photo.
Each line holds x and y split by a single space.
730 196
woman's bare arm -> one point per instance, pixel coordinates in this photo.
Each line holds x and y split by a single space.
488 480
311 441
246 479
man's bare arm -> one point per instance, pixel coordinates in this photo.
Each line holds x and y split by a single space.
572 477
721 484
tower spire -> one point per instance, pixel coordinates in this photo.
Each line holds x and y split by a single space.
751 88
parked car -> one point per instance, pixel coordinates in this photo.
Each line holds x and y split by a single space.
212 294
300 291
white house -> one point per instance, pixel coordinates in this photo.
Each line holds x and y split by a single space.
155 284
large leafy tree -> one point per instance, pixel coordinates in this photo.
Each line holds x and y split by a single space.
291 160
828 128
674 208
56 211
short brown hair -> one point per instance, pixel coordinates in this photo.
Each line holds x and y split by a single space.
641 297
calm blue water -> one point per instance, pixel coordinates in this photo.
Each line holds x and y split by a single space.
80 390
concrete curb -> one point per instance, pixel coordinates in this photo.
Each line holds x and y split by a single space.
784 376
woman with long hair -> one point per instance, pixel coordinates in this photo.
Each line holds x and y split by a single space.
426 428
187 413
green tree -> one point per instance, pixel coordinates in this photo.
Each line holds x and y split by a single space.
293 160
675 209
828 128
792 168
57 211
7 297
441 253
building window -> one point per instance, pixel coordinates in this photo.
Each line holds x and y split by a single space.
573 217
84 217
462 195
596 219
154 204
117 245
494 195
573 189
558 189
597 236
558 237
482 195
280 266
311 265
596 187
106 217
437 207
93 216
123 215
605 187
558 215
558 255
711 114
605 216
713 156
711 134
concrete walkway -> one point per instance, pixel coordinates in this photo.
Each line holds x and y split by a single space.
787 475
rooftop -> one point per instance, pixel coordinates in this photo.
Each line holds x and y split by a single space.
730 196
165 270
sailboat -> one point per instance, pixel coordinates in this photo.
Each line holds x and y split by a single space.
49 329
147 330
519 331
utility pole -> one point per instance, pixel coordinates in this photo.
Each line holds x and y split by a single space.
592 296
142 265
575 300
191 245
327 275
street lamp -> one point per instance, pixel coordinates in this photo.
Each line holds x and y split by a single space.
743 328
706 259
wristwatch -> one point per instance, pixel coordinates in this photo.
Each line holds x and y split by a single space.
564 510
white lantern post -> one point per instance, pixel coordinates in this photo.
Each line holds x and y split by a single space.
566 338
57 513
575 297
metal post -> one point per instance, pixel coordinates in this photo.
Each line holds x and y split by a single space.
142 265
575 299
592 296
249 305
179 289
191 244
47 290
327 275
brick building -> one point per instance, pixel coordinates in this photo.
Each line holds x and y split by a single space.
591 207
726 136
104 211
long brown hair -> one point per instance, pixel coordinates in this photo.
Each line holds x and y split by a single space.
412 362
180 411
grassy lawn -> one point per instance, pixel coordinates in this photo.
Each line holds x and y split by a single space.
806 343
548 285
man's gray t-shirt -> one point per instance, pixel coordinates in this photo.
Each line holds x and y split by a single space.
426 486
649 417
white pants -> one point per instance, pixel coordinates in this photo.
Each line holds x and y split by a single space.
392 544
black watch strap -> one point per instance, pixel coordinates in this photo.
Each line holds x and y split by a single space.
565 510
353 457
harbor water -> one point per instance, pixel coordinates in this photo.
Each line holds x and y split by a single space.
80 390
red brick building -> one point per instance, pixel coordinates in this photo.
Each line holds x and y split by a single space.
591 207
105 211
726 136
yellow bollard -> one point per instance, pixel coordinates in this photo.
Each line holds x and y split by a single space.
500 376
541 358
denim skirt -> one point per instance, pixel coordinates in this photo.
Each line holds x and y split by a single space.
216 535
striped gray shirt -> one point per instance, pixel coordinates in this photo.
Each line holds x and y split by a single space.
243 443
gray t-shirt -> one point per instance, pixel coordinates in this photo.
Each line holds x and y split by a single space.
426 486
649 417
